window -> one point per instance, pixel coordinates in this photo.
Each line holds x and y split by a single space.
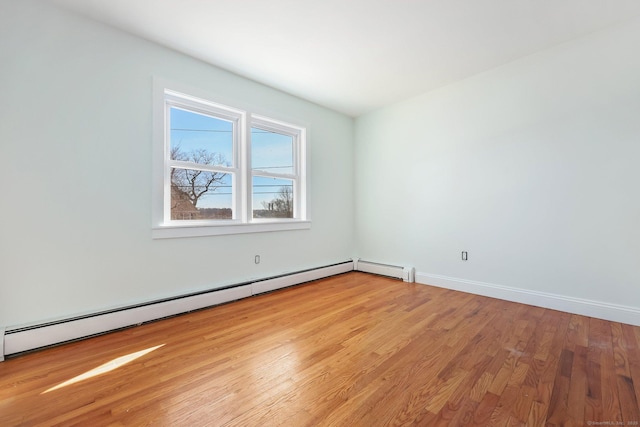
223 170
274 169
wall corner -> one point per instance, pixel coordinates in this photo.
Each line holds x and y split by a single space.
1 344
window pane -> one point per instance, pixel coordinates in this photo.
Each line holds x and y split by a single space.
272 197
199 138
200 195
271 152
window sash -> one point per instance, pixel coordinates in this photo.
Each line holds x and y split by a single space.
297 135
199 106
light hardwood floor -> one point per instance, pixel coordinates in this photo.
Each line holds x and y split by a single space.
351 350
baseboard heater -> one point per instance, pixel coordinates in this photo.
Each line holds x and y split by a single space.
14 341
405 273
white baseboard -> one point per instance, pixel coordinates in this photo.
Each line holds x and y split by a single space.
600 310
18 340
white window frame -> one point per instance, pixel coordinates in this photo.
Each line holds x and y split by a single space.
166 96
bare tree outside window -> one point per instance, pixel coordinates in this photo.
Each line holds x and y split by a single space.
281 206
188 186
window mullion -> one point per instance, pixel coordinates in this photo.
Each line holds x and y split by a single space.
241 162
296 182
247 189
167 157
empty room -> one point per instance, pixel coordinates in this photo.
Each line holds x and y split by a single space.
320 213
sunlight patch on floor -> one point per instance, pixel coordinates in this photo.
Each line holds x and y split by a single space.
107 367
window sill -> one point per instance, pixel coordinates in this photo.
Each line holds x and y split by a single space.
177 231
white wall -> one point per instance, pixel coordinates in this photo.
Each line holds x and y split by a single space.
75 144
533 168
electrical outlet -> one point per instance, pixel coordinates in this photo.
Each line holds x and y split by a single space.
257 259
465 256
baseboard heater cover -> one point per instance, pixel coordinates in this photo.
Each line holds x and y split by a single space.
14 341
405 273
284 281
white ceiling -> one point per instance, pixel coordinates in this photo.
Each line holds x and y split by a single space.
357 55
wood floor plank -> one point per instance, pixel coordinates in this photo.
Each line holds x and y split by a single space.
628 403
593 409
600 336
578 386
355 349
578 332
486 407
537 415
632 345
626 388
456 413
